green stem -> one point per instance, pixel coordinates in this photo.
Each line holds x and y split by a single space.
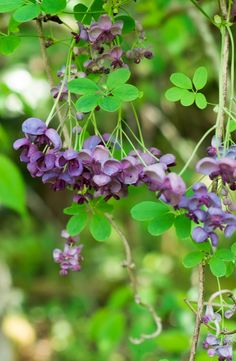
196 149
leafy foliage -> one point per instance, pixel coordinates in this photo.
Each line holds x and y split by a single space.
186 90
109 99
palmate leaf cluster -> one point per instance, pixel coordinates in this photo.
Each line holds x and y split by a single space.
186 90
109 96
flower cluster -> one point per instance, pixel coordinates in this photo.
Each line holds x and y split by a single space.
206 208
70 258
102 52
218 347
92 171
221 163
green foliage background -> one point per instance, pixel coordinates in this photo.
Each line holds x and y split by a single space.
91 315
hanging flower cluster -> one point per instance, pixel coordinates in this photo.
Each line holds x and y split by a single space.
92 171
70 258
205 208
221 164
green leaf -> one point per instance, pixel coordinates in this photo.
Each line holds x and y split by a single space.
27 13
147 210
224 254
75 209
193 259
110 103
161 224
204 247
13 26
218 267
87 103
200 78
233 248
53 6
83 86
8 44
230 267
187 98
182 226
200 101
76 224
173 94
117 78
80 14
104 206
181 80
128 23
232 125
12 189
100 227
126 92
10 5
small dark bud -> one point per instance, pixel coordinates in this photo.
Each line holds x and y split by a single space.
97 108
148 54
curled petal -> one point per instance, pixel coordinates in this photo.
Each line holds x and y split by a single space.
34 126
207 166
111 167
19 143
101 179
54 137
100 153
229 230
199 235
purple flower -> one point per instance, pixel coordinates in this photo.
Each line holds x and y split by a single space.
26 147
70 159
69 259
55 91
104 31
37 132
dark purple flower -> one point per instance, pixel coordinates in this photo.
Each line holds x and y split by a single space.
70 159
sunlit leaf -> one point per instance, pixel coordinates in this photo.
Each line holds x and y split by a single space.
181 80
117 78
161 224
200 101
76 224
187 98
87 103
173 94
100 227
200 78
193 259
218 267
83 86
110 103
126 92
147 210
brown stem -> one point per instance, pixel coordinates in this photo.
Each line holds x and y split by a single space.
49 75
199 313
129 264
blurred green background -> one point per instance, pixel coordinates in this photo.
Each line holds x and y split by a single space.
89 316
